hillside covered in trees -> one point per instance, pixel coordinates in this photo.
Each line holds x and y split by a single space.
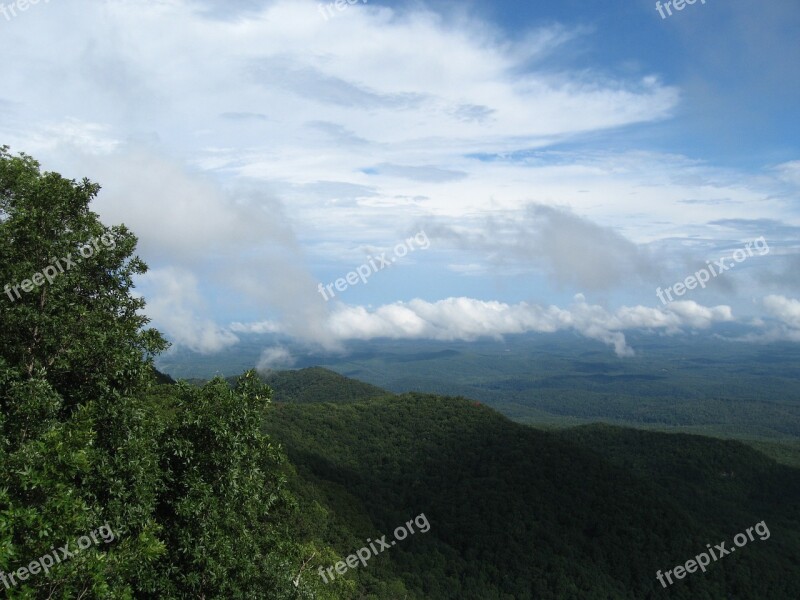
591 512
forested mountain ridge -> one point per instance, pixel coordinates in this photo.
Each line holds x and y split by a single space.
315 384
592 512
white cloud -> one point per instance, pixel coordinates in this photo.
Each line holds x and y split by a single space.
176 309
569 248
466 319
273 138
790 172
276 357
784 324
238 239
260 327
693 315
787 311
470 319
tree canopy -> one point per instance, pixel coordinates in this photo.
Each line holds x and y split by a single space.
187 480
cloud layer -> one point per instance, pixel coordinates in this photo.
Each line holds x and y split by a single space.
470 319
257 148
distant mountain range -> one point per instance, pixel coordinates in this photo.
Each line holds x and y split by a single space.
703 384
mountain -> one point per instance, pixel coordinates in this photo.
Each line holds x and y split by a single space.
519 513
316 384
709 383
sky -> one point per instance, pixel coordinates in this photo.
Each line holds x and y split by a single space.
491 168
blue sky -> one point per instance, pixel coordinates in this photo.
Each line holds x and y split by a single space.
564 160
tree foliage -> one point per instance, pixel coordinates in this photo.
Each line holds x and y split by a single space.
186 479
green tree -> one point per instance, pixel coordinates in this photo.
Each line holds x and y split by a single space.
81 328
186 479
78 444
231 519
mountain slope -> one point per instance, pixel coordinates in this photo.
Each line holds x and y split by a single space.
519 513
316 384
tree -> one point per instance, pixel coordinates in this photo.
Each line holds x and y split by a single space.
78 445
231 518
79 325
186 480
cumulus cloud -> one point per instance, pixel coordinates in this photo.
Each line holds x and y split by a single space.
782 322
276 357
238 238
176 308
470 319
787 312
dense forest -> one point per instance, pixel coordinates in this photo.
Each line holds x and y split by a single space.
591 512
233 489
